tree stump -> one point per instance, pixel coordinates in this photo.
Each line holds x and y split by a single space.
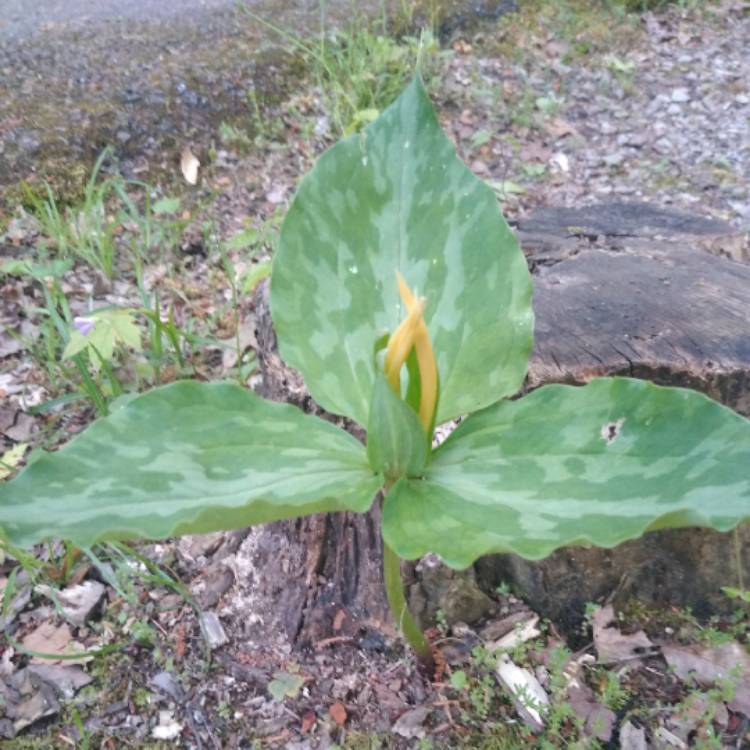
622 289
628 289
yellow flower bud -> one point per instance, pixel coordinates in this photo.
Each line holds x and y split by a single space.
411 334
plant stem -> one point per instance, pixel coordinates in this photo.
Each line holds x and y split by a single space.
394 589
738 557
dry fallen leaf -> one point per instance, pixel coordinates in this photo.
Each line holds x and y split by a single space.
48 639
410 724
710 665
308 722
338 620
189 165
338 713
559 128
611 644
598 720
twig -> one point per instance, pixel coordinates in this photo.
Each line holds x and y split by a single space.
320 645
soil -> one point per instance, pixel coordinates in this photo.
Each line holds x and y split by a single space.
551 111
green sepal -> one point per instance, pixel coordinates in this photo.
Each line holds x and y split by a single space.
396 443
414 388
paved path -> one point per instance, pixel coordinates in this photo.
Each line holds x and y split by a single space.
144 76
20 19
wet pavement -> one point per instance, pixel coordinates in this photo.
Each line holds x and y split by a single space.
144 77
20 19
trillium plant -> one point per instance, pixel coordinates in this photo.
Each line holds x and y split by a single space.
401 295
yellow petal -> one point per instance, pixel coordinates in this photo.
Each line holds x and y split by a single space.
401 343
413 333
428 375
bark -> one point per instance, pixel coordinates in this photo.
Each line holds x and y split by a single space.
339 556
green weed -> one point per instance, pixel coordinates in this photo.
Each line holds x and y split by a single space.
85 231
359 70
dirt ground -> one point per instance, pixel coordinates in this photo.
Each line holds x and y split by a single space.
552 106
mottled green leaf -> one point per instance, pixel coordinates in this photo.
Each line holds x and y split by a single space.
396 197
597 465
396 443
187 458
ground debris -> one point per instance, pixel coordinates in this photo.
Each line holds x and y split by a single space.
213 630
599 720
33 693
632 737
78 602
529 697
711 665
612 645
411 723
47 639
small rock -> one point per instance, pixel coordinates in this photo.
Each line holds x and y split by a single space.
680 95
561 162
740 208
411 724
665 740
77 602
215 584
22 429
166 683
632 737
19 601
277 194
322 126
66 680
26 699
212 630
634 140
496 629
193 547
615 159
167 728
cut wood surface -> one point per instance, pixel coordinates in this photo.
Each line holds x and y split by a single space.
610 299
